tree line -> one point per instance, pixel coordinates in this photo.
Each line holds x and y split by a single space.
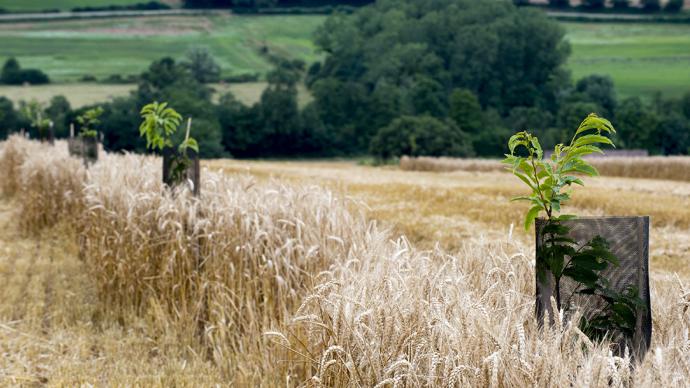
272 3
618 5
399 77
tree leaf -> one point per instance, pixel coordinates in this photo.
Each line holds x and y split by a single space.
531 216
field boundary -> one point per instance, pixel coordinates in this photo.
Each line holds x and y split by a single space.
27 17
617 17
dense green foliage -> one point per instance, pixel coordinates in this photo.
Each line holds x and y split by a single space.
398 58
420 135
13 74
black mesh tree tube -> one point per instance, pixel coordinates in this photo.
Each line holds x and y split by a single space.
85 147
628 239
190 175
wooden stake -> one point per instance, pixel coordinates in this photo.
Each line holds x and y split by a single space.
189 127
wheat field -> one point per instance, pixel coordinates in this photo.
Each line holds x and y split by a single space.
303 274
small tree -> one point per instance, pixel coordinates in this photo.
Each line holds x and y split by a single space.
202 65
159 125
558 256
59 109
88 120
34 112
13 74
9 71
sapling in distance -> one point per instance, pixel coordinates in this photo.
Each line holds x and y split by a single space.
158 127
88 121
35 113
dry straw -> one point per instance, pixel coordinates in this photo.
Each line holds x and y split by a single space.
656 167
276 283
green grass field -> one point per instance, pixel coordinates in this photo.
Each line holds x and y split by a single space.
63 5
641 58
67 50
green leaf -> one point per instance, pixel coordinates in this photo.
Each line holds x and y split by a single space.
525 179
592 139
565 217
581 275
592 121
588 262
531 216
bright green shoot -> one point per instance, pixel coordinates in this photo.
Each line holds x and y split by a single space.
549 177
33 111
88 122
160 123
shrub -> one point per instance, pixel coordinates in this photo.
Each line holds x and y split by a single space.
13 74
202 65
417 136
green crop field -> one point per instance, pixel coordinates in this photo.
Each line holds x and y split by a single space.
641 58
63 5
67 50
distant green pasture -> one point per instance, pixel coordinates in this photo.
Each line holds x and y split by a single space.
641 58
68 50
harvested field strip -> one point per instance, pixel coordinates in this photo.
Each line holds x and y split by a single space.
675 168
